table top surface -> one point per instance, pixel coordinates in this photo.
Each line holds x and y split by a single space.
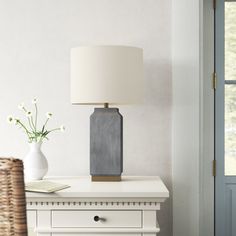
129 187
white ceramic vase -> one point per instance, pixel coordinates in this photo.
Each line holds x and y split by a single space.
35 163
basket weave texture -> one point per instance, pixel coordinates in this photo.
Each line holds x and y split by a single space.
12 198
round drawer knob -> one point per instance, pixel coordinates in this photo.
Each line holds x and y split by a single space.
96 218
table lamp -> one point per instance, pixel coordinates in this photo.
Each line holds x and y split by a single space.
106 75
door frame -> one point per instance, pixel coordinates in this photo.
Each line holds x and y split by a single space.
207 116
220 182
219 119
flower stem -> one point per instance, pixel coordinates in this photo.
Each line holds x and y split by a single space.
24 127
45 124
53 130
32 122
36 115
32 128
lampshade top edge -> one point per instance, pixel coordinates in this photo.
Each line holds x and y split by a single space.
109 45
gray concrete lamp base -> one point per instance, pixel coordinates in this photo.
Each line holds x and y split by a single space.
106 144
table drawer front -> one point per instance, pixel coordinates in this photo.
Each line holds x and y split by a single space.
31 221
83 234
131 219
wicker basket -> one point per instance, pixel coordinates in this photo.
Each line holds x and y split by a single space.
12 198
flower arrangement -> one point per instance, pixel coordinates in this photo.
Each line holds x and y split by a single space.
31 128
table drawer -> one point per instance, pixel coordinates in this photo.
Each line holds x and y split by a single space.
130 219
31 222
100 234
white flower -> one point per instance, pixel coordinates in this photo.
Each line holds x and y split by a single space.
48 115
28 113
21 106
62 128
34 101
16 121
10 119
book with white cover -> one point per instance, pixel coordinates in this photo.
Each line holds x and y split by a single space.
44 186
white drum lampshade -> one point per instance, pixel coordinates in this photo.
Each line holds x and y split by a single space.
106 74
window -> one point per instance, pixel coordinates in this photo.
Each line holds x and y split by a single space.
230 88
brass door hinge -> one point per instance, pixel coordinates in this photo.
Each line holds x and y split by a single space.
214 168
214 80
214 4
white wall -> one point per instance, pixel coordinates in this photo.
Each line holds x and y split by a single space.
35 40
186 119
193 117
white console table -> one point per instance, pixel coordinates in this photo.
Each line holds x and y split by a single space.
98 208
